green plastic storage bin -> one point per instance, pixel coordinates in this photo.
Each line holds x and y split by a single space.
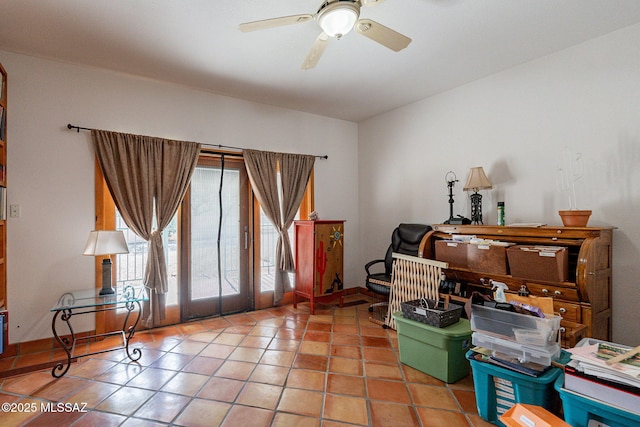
439 352
498 389
579 409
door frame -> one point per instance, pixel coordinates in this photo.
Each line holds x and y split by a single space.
105 220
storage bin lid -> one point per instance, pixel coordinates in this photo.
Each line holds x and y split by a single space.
458 330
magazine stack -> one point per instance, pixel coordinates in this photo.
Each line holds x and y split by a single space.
605 371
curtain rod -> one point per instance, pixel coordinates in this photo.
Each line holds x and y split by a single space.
79 128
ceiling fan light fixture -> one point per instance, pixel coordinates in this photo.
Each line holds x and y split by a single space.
338 18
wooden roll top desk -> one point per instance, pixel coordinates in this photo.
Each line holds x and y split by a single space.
584 298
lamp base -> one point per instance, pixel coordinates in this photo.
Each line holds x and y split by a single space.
476 208
106 278
460 220
107 291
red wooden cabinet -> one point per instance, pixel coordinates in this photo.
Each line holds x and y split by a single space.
319 257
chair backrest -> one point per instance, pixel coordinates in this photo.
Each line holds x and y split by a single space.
405 240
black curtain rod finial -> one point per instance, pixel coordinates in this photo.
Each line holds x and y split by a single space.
77 128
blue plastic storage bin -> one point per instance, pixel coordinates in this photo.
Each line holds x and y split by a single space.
498 389
579 409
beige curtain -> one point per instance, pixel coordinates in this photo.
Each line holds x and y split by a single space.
279 206
145 174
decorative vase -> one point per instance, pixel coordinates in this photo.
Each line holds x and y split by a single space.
575 218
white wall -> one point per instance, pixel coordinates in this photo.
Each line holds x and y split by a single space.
50 169
516 124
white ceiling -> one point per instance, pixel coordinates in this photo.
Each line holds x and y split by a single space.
197 43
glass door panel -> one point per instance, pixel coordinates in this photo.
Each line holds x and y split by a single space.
217 277
130 267
268 239
266 268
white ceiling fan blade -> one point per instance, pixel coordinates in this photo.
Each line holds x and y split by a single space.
381 34
274 22
317 49
370 2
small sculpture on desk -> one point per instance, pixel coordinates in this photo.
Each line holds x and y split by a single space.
451 179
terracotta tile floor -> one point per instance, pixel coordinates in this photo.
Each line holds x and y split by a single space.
275 367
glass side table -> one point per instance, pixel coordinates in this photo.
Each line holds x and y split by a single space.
87 301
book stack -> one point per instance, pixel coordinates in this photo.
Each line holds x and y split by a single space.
590 372
4 340
3 123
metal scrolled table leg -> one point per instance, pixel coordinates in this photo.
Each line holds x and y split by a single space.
64 342
134 354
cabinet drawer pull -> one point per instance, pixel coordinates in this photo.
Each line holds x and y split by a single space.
562 310
555 293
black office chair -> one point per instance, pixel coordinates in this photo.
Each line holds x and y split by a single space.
405 239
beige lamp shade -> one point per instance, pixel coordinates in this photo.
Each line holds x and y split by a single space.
106 242
477 180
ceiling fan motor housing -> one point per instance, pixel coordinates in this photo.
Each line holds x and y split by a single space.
337 18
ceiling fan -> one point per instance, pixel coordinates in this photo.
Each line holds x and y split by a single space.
336 18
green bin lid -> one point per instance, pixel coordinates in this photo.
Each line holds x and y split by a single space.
459 329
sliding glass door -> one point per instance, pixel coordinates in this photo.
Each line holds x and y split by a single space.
246 245
215 222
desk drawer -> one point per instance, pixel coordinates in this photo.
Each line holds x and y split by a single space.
566 293
568 311
571 333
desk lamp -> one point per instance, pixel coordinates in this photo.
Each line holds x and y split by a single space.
477 181
451 180
106 242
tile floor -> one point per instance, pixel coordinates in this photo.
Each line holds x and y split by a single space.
275 367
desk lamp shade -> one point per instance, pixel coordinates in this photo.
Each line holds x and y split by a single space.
106 242
476 181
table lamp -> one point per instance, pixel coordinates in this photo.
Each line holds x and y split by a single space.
476 181
106 242
451 180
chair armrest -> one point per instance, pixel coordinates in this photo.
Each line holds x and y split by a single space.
368 265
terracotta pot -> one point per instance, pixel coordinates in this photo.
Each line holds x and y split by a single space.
575 218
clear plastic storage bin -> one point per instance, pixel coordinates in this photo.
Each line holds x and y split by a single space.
540 355
516 327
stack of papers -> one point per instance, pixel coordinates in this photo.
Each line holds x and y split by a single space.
489 242
509 362
617 384
592 360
